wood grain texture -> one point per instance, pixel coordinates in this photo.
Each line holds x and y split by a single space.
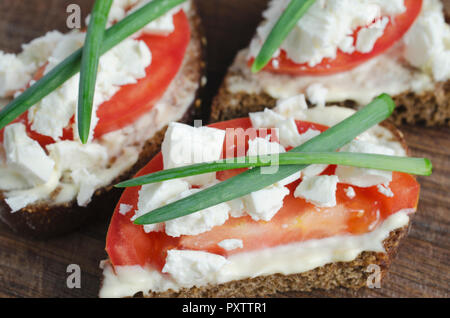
31 268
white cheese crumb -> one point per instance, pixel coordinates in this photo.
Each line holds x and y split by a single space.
364 177
72 155
87 183
261 146
162 26
18 202
367 37
288 133
184 145
198 222
125 208
287 106
350 192
385 190
319 190
155 195
325 27
191 268
26 156
266 119
122 65
231 244
317 94
237 208
265 203
427 43
275 63
14 74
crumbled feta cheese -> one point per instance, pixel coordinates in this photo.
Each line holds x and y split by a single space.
198 222
122 65
318 190
314 170
191 268
14 74
16 71
72 155
275 63
286 106
19 202
292 106
231 244
125 208
265 203
385 190
155 195
288 133
364 177
162 26
87 183
367 37
350 192
38 51
427 43
266 119
184 145
325 27
261 146
26 156
317 94
237 208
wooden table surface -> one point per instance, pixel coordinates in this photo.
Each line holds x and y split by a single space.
30 268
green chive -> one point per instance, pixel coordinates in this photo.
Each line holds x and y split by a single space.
295 10
253 180
71 65
89 65
418 166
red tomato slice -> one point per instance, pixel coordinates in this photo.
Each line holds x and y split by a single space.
134 100
298 220
394 31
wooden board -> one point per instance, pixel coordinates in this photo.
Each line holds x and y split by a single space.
30 268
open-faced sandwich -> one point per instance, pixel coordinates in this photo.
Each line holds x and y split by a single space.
262 226
50 182
347 52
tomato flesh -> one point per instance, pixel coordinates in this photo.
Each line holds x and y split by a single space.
133 100
393 32
297 221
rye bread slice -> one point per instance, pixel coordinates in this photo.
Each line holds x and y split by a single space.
351 275
42 220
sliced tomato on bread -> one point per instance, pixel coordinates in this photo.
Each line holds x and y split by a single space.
394 31
134 100
297 221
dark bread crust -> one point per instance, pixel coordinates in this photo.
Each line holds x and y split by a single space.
352 275
430 108
44 221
